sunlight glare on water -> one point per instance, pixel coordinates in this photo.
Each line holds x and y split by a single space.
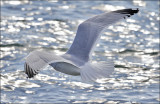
51 26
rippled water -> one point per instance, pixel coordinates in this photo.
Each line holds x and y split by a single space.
51 26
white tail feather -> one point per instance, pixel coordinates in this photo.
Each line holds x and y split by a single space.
93 71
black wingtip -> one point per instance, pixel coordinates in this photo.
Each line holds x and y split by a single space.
127 11
28 71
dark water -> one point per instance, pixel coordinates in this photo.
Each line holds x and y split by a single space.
51 26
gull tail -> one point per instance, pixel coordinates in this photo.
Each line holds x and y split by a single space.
93 71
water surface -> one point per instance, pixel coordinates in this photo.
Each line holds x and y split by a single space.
51 26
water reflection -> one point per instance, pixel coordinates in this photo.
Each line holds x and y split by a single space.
51 25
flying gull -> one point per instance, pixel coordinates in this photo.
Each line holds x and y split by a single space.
77 60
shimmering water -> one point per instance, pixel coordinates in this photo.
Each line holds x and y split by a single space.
51 26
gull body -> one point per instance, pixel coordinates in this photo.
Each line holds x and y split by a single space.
77 60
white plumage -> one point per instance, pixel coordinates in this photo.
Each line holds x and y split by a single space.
77 60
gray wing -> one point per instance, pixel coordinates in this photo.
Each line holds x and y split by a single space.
37 60
89 32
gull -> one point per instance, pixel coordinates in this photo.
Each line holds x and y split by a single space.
77 60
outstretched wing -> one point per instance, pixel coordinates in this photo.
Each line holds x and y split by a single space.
37 60
89 32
